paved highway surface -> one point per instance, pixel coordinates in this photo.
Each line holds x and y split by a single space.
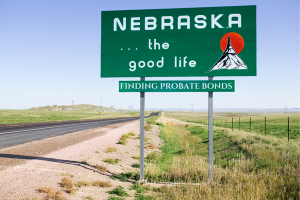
15 134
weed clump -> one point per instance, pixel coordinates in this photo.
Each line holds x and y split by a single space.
148 127
84 162
132 133
51 193
136 157
82 183
110 150
139 188
119 190
126 136
150 146
102 184
143 197
100 168
126 176
136 165
112 161
68 185
123 142
153 156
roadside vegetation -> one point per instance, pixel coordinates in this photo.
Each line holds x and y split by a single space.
61 113
112 161
246 165
111 150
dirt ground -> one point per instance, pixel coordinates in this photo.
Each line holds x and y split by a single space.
28 167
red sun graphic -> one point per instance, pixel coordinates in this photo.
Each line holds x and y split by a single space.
237 42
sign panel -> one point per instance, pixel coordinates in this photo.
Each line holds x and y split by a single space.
177 86
212 41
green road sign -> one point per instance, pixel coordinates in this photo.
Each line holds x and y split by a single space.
177 86
217 41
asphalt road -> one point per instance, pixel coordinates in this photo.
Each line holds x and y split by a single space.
12 137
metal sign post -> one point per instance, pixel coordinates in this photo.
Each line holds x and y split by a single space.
210 134
142 122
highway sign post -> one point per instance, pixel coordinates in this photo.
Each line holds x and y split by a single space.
192 42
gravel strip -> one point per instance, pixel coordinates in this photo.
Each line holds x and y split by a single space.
27 167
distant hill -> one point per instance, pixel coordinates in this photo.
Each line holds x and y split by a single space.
67 107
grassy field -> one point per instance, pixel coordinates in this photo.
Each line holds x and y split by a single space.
44 115
246 165
276 123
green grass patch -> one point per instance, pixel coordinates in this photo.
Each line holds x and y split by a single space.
136 165
115 198
123 142
144 197
112 161
126 176
132 133
119 190
126 136
151 120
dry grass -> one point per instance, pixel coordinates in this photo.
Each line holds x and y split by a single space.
148 127
125 136
100 168
136 157
68 185
150 146
248 165
102 184
82 183
111 149
132 133
51 193
69 175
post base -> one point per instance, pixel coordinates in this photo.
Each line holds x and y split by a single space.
142 181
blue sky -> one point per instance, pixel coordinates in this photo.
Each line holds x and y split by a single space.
50 55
